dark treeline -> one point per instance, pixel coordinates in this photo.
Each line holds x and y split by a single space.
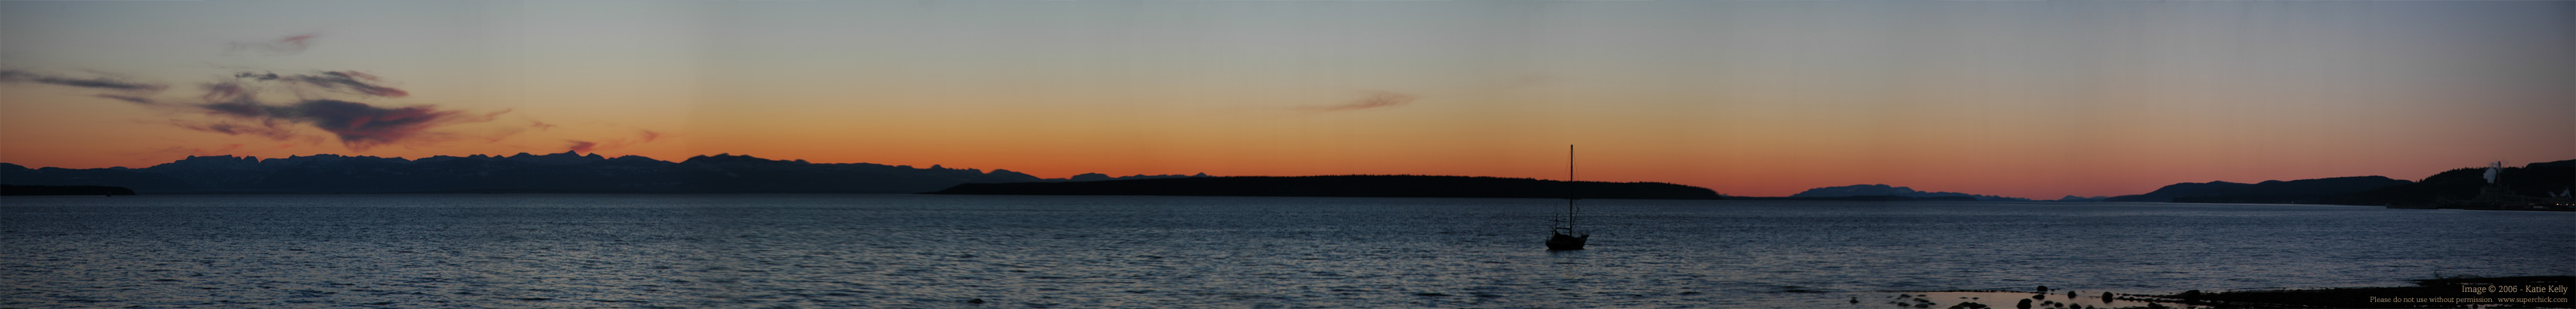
2536 179
2304 191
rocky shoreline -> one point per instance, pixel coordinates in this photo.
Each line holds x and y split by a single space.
2460 292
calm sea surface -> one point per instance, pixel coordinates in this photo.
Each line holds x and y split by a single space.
915 251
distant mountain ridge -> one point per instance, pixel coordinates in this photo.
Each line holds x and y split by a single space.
561 172
1879 190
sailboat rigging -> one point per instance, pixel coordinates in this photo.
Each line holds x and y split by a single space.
1564 236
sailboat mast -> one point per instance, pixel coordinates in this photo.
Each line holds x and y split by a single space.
1565 238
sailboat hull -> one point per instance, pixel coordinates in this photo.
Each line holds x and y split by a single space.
1563 242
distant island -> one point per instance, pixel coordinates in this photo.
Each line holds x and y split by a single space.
1883 192
566 172
1864 198
1887 193
1348 186
2535 179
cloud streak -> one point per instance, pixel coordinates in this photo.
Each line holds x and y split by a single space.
641 137
100 83
270 129
284 46
1373 99
129 98
350 82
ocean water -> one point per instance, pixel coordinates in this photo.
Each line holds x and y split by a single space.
922 251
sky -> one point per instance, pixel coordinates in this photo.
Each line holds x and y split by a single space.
2035 99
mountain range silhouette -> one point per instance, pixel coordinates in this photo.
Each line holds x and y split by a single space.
566 172
571 172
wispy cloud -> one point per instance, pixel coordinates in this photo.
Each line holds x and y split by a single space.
100 83
270 129
640 137
129 98
1370 99
294 44
293 106
194 151
351 82
583 146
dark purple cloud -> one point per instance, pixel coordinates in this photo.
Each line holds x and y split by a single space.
249 104
359 126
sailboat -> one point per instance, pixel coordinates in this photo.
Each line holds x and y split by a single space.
1564 236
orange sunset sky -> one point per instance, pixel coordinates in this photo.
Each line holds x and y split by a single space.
2035 99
